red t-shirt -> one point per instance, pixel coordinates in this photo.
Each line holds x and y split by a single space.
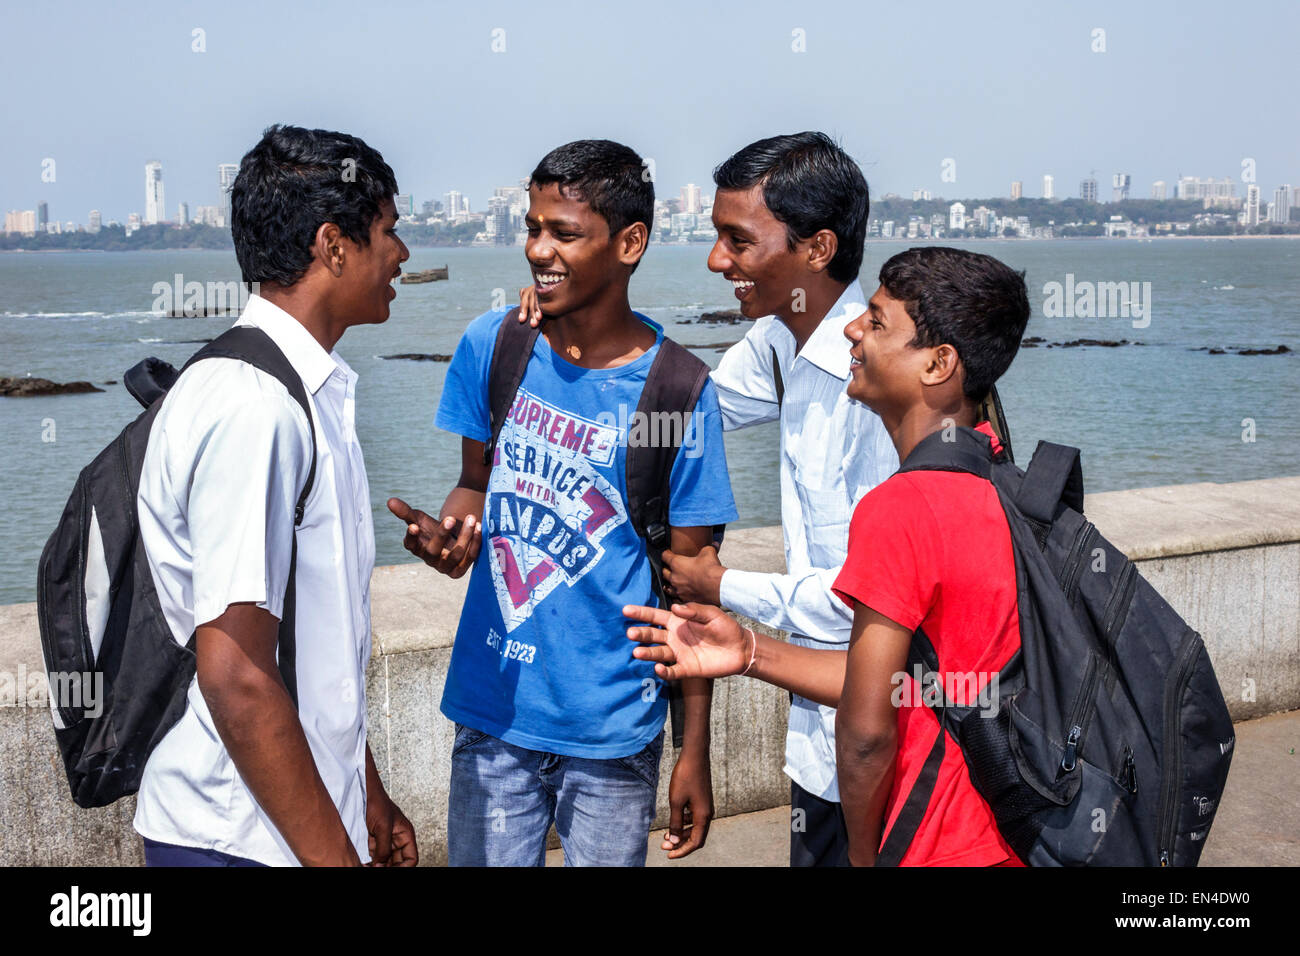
932 549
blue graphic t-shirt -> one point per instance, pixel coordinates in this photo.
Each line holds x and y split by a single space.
541 658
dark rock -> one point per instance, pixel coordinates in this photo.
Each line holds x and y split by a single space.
724 317
1280 350
1100 343
27 387
1216 351
419 357
1033 340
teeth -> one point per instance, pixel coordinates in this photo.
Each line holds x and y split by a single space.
549 278
741 285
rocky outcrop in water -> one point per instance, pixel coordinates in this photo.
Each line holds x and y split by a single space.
29 387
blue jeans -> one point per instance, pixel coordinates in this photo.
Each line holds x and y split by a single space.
504 799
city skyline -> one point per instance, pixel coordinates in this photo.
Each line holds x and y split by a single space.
968 123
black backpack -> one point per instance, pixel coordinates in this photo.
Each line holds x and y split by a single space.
1110 740
672 385
98 609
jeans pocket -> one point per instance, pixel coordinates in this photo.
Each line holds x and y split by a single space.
466 737
645 762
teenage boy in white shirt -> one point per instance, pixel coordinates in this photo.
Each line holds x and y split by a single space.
245 777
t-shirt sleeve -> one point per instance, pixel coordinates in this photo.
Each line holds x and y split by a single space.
699 486
250 466
463 407
893 564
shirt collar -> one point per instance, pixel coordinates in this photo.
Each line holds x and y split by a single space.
827 348
312 363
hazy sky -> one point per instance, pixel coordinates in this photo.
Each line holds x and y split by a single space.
1007 90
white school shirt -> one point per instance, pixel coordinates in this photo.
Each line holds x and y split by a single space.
227 457
833 451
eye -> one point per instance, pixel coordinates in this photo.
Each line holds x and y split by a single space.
875 324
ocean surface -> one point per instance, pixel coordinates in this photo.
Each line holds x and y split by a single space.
1150 414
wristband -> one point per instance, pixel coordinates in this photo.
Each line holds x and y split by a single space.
753 654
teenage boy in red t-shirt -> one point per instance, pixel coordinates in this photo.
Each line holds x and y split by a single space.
926 549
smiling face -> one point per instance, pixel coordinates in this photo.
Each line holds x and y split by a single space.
370 270
885 371
753 252
574 260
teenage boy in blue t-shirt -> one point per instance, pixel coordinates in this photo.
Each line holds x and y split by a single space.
556 721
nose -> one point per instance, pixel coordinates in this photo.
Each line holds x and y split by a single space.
538 250
853 331
718 258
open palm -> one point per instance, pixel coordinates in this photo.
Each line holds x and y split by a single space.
691 640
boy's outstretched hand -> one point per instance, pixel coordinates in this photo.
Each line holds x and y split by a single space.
437 543
529 310
691 640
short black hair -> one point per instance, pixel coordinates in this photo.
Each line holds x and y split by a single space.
810 184
609 177
290 183
973 302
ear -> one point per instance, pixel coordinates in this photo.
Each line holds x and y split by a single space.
328 248
632 241
942 366
821 250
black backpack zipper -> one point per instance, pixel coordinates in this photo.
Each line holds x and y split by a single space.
1172 769
1079 716
1073 564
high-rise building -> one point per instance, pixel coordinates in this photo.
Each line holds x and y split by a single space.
1120 184
23 221
1252 205
452 203
1088 190
405 204
1281 204
93 221
1049 187
1159 189
132 223
1017 189
957 216
155 209
428 208
42 215
183 214
1214 192
226 173
691 199
921 195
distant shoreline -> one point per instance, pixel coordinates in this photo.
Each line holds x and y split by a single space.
870 239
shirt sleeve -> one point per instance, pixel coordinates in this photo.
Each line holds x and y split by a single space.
699 487
745 381
799 603
463 407
895 549
251 464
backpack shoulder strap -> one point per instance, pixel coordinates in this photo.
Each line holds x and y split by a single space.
510 355
673 385
1054 475
966 450
252 345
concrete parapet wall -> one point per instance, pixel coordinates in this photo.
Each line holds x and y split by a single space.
1227 557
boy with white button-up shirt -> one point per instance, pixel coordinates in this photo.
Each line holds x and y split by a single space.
244 777
791 214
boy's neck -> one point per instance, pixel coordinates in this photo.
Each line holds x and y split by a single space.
819 297
600 335
921 421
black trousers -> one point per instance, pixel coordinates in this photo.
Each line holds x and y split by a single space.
818 836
